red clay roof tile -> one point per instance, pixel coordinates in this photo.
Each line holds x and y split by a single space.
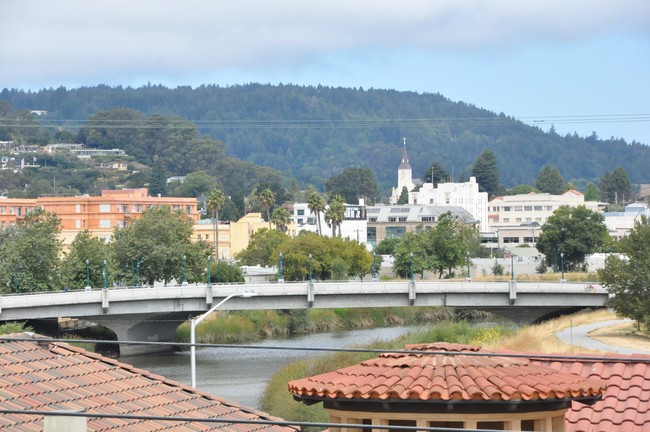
447 376
55 376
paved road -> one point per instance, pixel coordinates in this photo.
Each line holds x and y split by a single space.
579 336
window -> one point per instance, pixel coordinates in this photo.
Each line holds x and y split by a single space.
494 425
77 223
395 231
538 208
511 239
506 219
528 208
518 208
402 218
300 221
371 234
373 210
104 208
428 218
518 220
19 211
447 424
188 209
104 223
549 208
372 219
11 209
78 208
507 208
529 239
399 210
392 219
300 212
3 209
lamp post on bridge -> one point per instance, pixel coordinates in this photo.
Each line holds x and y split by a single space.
512 266
196 321
280 275
88 288
104 275
562 261
374 266
411 259
469 275
310 270
184 271
209 269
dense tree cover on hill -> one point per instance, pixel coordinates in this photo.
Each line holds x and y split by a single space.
315 132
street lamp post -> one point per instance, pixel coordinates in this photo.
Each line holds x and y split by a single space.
469 275
184 270
512 266
196 321
562 261
310 269
137 267
280 275
104 274
88 288
209 268
411 258
374 266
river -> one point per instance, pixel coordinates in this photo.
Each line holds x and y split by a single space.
240 374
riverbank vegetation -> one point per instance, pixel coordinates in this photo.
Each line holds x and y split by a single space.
246 326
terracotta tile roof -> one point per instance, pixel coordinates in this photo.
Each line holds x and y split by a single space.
625 406
451 376
46 376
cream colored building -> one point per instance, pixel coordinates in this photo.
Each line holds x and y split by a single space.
517 219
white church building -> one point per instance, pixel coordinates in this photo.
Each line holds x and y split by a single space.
465 195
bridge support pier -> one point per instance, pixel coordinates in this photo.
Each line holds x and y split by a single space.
310 294
158 329
411 292
512 285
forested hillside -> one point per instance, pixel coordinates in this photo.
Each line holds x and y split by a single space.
312 133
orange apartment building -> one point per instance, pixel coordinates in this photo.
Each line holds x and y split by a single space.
98 214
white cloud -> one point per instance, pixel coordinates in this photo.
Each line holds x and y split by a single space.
76 37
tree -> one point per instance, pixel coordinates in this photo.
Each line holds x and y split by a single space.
549 180
387 246
215 200
196 184
521 190
334 214
223 271
75 271
316 205
435 174
155 244
261 248
267 198
352 184
574 231
447 245
486 173
592 193
281 218
615 187
158 178
627 278
30 253
403 197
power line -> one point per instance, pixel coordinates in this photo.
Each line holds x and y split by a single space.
645 360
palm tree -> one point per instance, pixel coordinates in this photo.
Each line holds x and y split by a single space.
216 199
281 218
316 205
267 199
334 214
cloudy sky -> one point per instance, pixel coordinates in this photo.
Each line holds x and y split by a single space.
582 65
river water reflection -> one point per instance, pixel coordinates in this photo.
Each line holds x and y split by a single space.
240 374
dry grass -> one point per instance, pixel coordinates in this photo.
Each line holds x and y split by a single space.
624 335
546 277
541 338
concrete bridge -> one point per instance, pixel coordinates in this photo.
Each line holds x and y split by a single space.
152 314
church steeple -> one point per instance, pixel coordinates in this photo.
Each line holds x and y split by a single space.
405 159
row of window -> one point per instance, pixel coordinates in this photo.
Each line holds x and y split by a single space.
522 208
17 210
135 208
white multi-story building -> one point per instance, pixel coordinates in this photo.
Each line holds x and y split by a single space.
465 195
518 219
619 224
353 227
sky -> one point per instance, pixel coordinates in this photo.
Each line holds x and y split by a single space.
580 65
